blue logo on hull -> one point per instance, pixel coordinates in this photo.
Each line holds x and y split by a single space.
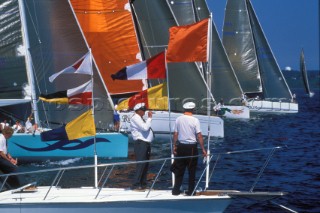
65 145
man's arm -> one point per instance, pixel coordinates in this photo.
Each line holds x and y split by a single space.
200 139
8 158
175 139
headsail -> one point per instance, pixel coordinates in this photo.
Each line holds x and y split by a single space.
109 30
273 82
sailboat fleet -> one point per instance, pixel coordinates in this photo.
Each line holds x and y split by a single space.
240 76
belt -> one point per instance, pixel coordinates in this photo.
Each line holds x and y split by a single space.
187 142
143 141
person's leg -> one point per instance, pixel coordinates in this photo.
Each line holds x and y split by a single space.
7 168
178 176
139 150
181 165
146 166
192 167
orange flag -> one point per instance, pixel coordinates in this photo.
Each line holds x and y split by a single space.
188 43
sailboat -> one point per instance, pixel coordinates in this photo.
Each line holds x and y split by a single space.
143 36
50 194
253 61
303 71
52 44
224 83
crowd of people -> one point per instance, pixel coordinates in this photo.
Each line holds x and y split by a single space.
18 127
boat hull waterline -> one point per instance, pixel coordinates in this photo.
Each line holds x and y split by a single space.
110 200
274 107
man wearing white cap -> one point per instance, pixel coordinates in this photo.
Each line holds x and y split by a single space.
142 135
186 134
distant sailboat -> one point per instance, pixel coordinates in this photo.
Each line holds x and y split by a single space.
253 61
303 70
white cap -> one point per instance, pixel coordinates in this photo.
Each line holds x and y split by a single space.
189 105
139 106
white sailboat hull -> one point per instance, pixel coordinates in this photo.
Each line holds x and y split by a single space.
110 200
160 123
235 112
272 107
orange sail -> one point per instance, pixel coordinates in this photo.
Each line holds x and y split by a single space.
109 30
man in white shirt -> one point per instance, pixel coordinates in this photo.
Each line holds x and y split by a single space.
18 127
7 163
187 134
142 135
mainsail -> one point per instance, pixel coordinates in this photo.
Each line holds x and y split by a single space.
239 43
56 42
250 53
224 83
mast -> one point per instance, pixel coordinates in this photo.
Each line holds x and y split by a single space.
209 73
94 139
25 39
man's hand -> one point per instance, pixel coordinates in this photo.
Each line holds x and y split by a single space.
149 114
14 161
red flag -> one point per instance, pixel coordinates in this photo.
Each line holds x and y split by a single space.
79 95
188 43
152 68
155 98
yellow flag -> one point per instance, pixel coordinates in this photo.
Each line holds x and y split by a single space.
155 98
82 126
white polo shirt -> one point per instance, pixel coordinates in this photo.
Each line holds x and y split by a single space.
187 128
3 145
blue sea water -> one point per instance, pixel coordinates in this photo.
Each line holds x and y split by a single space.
293 168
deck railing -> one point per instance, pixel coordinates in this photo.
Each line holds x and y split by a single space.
164 161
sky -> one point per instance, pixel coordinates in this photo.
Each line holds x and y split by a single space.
289 26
